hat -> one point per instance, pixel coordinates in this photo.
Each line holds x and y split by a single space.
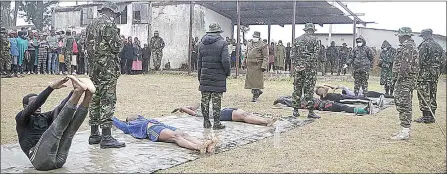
215 28
156 32
426 32
404 31
3 30
110 5
309 26
344 44
256 34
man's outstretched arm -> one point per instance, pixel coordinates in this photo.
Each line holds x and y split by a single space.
121 125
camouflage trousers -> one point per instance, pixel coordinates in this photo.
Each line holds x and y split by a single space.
157 55
360 81
67 61
103 103
216 99
403 96
322 67
428 89
335 67
5 63
304 83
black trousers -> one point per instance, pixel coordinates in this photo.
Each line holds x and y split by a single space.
338 107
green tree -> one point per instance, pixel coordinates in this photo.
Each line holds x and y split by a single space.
6 18
244 30
37 12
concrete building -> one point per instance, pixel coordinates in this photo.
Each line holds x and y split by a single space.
171 21
375 37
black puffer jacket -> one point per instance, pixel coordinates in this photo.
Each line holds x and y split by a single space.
213 64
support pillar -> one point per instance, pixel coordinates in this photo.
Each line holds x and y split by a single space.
268 33
238 44
354 33
293 35
190 48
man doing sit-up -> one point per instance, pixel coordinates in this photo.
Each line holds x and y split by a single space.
146 128
232 114
46 138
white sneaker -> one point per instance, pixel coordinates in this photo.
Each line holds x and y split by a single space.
402 135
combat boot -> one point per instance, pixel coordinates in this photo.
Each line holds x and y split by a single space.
391 91
206 121
402 135
295 113
425 116
431 118
387 90
108 141
94 138
312 115
259 93
217 125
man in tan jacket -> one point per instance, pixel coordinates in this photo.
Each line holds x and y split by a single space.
256 63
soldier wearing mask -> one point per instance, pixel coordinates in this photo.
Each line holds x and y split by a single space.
157 44
386 64
103 45
256 62
361 59
432 58
304 58
333 57
405 69
344 54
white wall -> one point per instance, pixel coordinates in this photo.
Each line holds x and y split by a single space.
64 20
339 39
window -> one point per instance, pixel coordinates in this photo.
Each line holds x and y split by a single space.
140 13
122 19
86 16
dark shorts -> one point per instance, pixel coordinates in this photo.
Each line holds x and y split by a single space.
153 132
226 114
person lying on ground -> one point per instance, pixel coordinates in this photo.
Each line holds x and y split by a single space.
345 99
325 105
346 91
232 114
46 138
146 128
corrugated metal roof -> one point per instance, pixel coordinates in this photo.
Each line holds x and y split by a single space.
279 12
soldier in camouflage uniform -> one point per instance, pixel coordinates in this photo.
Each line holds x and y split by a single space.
405 69
304 59
5 57
156 45
361 59
344 54
333 57
323 60
431 57
386 64
103 44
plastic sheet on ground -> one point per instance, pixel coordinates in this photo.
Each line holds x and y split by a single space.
143 156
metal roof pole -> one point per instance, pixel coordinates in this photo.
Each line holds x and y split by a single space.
190 47
292 67
330 29
268 33
354 33
238 45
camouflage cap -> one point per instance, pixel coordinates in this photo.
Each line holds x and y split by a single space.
309 26
344 44
110 5
256 34
426 32
215 28
404 31
156 32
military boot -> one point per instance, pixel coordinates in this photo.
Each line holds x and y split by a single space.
206 121
391 91
431 118
425 116
312 115
259 93
387 90
95 137
295 113
108 141
217 125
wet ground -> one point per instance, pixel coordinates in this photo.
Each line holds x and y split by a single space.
143 156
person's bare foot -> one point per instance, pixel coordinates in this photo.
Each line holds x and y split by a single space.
204 146
77 85
211 147
90 86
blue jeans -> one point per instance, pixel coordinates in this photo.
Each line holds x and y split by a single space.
53 63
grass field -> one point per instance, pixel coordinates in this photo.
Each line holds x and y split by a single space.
336 143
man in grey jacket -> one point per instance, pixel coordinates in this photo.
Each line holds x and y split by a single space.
213 70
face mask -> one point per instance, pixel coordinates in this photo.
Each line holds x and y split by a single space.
256 39
359 44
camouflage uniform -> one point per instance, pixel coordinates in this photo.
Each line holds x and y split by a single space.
68 52
323 60
103 44
333 57
157 44
431 57
405 68
361 59
344 54
5 57
386 64
304 58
